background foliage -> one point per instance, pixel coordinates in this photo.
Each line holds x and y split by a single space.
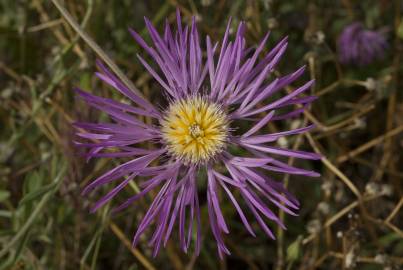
350 217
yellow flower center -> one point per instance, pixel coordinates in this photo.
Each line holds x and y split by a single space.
194 129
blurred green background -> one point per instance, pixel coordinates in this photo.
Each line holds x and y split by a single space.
350 217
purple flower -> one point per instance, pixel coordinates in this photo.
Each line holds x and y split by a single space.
207 98
360 46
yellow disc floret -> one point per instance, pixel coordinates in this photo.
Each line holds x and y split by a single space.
194 129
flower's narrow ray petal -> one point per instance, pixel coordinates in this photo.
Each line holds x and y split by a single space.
179 23
115 111
234 202
274 87
237 207
247 161
246 77
93 151
158 233
174 215
210 61
252 197
224 40
115 143
94 136
272 187
141 42
155 170
118 85
236 55
198 223
290 78
116 129
182 217
212 190
92 99
235 81
283 152
291 114
190 221
169 72
281 100
123 169
165 55
178 204
258 218
259 125
220 73
215 228
261 206
112 193
123 117
266 91
155 181
183 68
268 194
290 170
186 202
228 180
240 177
254 86
297 101
118 113
204 72
139 133
263 74
155 76
159 43
152 211
159 202
273 62
206 67
259 139
168 37
168 67
157 239
280 47
118 188
191 216
162 217
224 71
118 154
294 170
195 57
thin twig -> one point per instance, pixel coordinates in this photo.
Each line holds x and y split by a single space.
338 215
333 168
97 49
143 260
395 211
369 144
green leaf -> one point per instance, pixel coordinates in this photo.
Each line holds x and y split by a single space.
33 181
294 250
36 194
399 30
4 195
5 214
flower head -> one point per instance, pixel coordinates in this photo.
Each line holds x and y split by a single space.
207 98
361 46
195 129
